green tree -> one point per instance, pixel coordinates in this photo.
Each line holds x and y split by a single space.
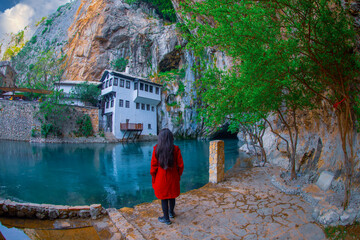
288 56
46 70
87 92
51 113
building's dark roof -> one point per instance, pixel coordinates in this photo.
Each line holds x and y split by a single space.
127 76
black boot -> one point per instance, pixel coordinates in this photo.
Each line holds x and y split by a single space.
172 214
164 220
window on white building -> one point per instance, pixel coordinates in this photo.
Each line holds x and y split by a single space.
149 126
142 106
107 104
151 89
135 86
110 82
146 88
116 81
137 105
112 103
157 90
127 104
152 108
121 82
121 103
107 83
141 86
128 84
148 107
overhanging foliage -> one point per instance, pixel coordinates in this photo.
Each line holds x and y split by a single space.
288 56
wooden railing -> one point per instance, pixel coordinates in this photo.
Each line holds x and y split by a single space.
131 126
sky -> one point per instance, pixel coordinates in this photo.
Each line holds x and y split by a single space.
15 15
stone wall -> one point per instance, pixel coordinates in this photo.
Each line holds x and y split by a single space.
18 120
48 211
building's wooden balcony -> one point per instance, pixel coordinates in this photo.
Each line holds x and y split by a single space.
131 126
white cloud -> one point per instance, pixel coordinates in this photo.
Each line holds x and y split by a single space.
44 7
16 18
27 12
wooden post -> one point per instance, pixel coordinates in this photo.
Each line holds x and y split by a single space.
216 161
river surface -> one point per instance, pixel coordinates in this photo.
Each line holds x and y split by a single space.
115 175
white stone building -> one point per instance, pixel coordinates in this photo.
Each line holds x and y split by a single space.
129 104
67 87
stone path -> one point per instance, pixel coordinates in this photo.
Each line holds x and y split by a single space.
245 206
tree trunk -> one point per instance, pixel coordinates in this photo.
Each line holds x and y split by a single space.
292 162
347 130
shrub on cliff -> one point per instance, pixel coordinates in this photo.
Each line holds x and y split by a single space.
164 8
119 64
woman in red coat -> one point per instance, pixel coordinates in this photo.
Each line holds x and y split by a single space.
166 169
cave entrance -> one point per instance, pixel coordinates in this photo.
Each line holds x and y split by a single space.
224 133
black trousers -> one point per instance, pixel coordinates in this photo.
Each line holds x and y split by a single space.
168 204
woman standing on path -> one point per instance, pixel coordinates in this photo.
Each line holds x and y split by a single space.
166 169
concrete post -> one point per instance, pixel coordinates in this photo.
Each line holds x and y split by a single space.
216 161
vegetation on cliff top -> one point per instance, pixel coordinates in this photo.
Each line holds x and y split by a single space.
16 43
164 8
288 56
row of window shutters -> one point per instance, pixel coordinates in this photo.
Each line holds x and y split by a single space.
143 86
141 106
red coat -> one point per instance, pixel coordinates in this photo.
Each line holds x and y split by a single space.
166 183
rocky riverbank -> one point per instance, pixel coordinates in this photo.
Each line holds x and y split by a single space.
93 139
327 204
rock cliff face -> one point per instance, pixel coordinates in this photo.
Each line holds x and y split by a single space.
106 30
94 33
319 146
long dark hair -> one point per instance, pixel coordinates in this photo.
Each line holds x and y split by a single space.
165 149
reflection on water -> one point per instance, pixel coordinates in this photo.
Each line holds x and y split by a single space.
12 233
115 175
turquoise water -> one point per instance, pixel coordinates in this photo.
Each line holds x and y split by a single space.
115 175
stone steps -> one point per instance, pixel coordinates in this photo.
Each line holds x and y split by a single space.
127 230
110 137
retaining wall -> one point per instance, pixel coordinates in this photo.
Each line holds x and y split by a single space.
18 119
48 211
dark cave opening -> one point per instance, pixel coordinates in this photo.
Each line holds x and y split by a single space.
224 133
